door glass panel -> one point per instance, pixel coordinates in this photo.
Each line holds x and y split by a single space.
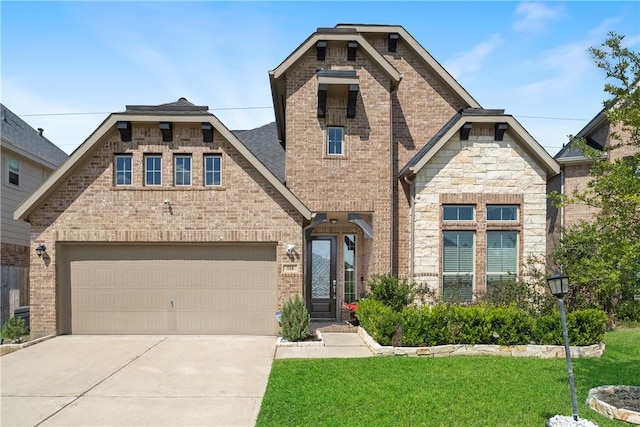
320 268
349 268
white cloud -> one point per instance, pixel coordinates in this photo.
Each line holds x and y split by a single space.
466 63
534 17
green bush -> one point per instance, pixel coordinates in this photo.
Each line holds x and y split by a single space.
629 310
585 327
378 319
415 324
391 291
294 320
14 328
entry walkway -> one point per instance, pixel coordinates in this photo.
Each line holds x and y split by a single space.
340 341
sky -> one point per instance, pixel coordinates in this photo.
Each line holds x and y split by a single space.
65 66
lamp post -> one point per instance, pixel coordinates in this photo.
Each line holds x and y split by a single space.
559 286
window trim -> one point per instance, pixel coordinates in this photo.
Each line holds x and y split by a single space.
146 169
124 171
14 172
458 206
328 141
502 206
213 172
176 157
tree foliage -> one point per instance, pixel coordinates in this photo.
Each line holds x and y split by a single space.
602 255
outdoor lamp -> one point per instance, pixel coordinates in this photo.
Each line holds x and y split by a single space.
559 286
41 249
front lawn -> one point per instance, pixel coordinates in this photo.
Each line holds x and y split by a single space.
454 391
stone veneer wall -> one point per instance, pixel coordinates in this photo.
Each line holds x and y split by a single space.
478 171
89 208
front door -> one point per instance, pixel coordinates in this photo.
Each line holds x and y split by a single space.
321 277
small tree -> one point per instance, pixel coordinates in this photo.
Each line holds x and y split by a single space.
391 291
294 320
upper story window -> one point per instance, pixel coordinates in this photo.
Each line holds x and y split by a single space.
13 171
502 213
335 144
458 212
153 169
213 169
182 170
123 169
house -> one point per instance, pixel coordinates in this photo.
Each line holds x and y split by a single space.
28 158
575 168
165 221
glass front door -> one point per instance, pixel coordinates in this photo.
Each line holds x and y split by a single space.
321 277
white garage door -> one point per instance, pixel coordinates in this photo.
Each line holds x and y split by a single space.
171 289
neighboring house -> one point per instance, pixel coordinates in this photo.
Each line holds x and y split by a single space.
164 221
575 168
28 158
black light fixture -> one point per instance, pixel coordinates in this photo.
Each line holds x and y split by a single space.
351 51
500 128
207 132
40 250
351 101
393 42
167 131
465 130
125 131
321 50
559 286
323 88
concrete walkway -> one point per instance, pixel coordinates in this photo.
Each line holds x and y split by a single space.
336 345
136 380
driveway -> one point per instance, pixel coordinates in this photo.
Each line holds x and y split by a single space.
136 380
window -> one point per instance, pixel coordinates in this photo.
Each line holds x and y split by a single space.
458 213
502 213
457 265
349 253
182 170
213 169
123 169
153 170
13 170
334 141
502 256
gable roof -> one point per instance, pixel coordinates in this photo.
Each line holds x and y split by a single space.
479 115
24 140
264 144
178 112
572 154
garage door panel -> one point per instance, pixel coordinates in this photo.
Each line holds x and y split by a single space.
129 289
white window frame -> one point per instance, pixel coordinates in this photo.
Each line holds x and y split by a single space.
330 130
214 171
153 171
184 173
501 207
125 171
459 275
473 212
13 171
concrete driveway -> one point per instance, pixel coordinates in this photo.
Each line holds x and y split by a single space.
136 381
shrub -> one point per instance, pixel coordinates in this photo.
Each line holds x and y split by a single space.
14 328
585 327
415 324
294 320
391 291
379 320
629 310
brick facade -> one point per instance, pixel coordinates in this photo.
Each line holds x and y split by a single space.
89 208
15 255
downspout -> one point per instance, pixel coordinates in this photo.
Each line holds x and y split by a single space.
412 190
392 181
562 205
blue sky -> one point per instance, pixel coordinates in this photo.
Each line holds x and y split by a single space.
64 58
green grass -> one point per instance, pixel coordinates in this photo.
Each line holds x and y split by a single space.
454 391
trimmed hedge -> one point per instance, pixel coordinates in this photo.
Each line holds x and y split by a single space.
476 324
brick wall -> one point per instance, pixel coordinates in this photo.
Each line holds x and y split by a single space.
89 208
15 255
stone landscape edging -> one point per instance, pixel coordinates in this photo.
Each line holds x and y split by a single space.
10 348
281 342
608 410
529 350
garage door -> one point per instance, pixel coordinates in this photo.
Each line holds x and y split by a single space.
170 289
